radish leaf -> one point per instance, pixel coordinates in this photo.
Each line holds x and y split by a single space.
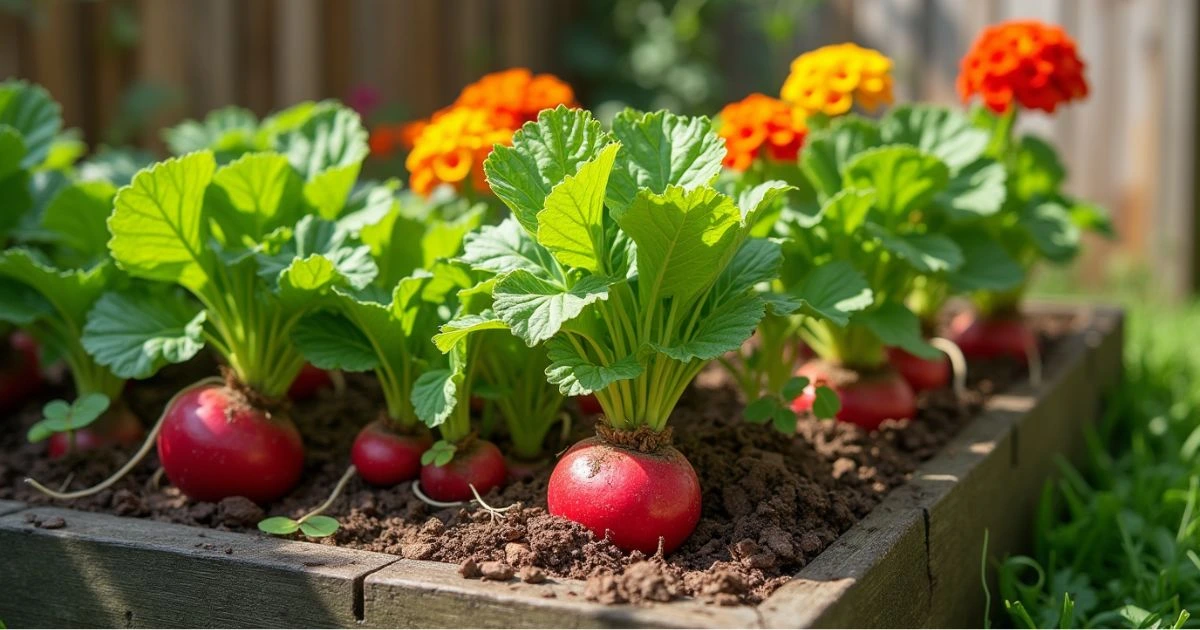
135 333
542 154
569 225
31 112
939 131
535 309
58 416
576 375
319 526
834 291
506 247
77 217
662 150
279 525
158 228
904 178
684 240
895 325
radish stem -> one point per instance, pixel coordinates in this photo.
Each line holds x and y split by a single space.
341 484
958 364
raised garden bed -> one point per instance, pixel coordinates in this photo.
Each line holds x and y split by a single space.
913 560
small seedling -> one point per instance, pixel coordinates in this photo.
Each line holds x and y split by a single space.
59 416
314 524
777 409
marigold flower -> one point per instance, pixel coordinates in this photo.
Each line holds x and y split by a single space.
1027 61
453 146
831 79
761 126
514 97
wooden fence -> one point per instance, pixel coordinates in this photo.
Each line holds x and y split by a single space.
1131 146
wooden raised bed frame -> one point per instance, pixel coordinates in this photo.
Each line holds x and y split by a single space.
913 561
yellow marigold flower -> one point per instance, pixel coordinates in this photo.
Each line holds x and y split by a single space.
831 79
453 146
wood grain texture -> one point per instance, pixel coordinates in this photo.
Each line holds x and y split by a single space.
881 560
107 571
412 593
915 560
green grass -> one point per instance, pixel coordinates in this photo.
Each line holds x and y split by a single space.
1118 541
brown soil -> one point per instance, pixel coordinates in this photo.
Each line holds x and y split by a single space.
770 504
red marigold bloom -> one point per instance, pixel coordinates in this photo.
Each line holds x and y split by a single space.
1037 65
761 126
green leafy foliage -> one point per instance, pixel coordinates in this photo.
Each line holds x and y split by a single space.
1037 221
387 326
34 116
440 454
316 526
624 271
59 416
244 244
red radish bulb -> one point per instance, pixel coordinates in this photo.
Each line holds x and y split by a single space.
384 457
922 374
589 405
636 497
480 465
20 372
992 337
118 426
308 382
866 401
214 444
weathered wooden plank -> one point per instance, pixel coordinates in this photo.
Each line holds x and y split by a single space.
8 507
1000 464
102 570
880 560
886 571
413 593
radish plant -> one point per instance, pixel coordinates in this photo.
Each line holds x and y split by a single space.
974 193
55 273
29 122
386 327
873 203
1037 222
634 273
529 406
243 254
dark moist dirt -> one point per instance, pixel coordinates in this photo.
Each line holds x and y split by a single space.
770 504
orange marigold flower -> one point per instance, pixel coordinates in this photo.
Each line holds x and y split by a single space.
761 126
453 146
517 95
1035 64
514 96
831 79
